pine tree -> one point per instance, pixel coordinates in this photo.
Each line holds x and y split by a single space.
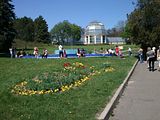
7 32
41 33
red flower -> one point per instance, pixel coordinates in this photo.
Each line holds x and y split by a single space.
66 64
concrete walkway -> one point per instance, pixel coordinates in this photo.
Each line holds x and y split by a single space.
141 97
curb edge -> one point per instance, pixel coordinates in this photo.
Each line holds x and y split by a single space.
110 106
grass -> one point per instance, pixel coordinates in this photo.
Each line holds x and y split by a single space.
78 103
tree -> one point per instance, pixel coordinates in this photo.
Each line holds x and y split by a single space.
7 32
143 23
117 30
57 33
24 28
65 32
126 34
120 26
41 33
76 32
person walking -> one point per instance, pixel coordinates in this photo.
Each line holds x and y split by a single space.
151 58
140 54
158 58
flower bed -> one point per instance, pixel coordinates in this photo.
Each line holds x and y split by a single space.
70 76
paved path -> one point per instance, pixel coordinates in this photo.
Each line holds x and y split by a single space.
141 97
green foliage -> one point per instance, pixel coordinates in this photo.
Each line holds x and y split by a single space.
7 32
144 23
76 32
41 33
24 28
66 75
34 31
65 32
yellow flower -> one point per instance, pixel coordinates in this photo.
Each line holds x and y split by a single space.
56 90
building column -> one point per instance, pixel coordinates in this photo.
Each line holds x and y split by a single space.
95 39
101 39
85 40
88 39
105 39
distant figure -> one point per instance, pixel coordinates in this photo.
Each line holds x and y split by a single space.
151 58
60 47
11 52
106 51
64 54
121 54
129 51
154 49
15 52
21 53
101 50
158 58
35 52
140 54
117 50
78 52
45 53
110 51
82 52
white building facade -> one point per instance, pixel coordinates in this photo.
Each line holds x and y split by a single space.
95 33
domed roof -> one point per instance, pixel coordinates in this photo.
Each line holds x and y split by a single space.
95 25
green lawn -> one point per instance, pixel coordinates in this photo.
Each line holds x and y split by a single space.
78 103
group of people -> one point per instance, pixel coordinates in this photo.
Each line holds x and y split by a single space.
152 55
80 52
63 54
15 54
44 54
114 52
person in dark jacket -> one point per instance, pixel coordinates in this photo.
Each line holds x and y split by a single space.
151 58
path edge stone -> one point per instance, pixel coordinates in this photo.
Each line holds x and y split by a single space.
110 106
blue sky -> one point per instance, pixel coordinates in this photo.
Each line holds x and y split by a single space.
79 12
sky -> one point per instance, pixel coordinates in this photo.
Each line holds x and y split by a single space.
79 12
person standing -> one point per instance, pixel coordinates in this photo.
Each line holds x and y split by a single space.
151 58
64 54
158 58
129 51
35 52
140 54
78 53
45 53
11 52
60 47
117 50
